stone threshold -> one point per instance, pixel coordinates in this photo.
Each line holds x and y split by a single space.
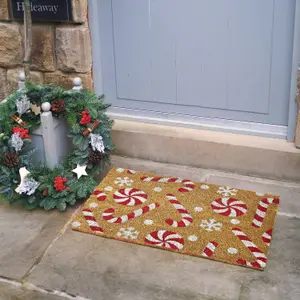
244 154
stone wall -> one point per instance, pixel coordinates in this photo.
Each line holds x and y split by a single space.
61 51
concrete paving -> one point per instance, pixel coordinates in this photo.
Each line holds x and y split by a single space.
99 268
18 292
42 258
24 237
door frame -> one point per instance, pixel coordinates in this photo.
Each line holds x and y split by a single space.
203 123
293 109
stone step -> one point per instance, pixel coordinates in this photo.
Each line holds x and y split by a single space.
289 192
244 154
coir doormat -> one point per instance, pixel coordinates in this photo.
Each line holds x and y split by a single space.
200 219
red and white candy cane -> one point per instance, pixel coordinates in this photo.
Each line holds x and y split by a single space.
267 236
186 217
91 220
260 257
108 214
209 249
101 196
131 172
188 185
261 211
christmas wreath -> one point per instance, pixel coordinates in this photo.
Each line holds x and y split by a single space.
22 178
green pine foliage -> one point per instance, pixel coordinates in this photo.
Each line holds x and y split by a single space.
46 196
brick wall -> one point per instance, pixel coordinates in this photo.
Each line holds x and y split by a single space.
61 51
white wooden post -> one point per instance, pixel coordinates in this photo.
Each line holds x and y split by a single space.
48 130
21 83
77 84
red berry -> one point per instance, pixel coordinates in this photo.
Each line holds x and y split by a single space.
23 133
59 183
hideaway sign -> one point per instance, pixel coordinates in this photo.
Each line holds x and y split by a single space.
44 10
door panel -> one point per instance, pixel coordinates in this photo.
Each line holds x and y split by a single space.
202 50
132 49
250 34
208 58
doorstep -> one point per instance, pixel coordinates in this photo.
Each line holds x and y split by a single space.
244 154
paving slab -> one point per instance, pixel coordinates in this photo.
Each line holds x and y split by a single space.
99 268
289 192
24 236
17 292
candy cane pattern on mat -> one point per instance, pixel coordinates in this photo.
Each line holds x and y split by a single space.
267 236
186 217
108 214
261 259
101 196
262 209
131 172
91 220
164 238
229 207
209 249
130 196
188 185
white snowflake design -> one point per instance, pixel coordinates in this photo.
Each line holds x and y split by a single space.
129 233
121 181
226 191
211 225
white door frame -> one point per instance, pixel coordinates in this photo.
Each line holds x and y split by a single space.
198 122
93 13
293 109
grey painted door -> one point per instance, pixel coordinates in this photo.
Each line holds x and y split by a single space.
226 59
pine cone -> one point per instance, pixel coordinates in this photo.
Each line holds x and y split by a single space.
11 160
95 157
58 106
